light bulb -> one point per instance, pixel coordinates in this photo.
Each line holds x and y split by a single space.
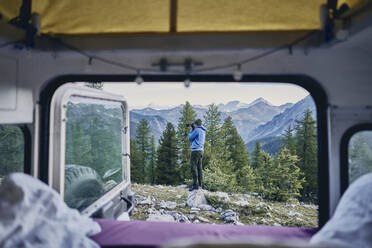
187 82
139 79
238 74
89 66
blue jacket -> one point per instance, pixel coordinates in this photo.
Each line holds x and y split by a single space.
197 138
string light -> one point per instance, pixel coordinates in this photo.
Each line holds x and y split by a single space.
187 82
139 80
238 74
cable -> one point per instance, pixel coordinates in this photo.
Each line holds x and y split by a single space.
257 57
207 69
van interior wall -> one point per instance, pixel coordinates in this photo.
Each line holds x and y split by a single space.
343 70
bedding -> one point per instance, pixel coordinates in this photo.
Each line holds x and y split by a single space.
34 215
144 233
351 224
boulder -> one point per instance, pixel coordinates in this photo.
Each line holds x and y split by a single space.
196 198
168 204
160 218
147 201
229 216
202 219
241 203
206 207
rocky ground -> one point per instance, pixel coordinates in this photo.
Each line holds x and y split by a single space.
177 204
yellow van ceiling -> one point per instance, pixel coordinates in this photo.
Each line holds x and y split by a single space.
155 16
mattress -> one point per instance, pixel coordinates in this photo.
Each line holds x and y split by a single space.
143 233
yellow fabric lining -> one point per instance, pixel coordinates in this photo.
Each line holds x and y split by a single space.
10 8
102 16
248 15
144 16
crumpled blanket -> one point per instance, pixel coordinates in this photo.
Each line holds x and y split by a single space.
34 215
351 224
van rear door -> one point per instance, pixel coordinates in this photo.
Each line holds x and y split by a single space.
88 150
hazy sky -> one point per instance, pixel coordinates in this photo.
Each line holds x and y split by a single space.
172 94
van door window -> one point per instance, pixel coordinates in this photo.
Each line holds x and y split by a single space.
11 150
93 150
360 155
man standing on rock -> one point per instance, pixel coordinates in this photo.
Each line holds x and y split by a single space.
197 139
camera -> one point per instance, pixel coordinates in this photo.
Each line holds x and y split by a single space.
190 125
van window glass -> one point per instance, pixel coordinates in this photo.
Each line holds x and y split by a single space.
11 150
93 150
360 155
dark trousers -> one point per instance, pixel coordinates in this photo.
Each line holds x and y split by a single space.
196 167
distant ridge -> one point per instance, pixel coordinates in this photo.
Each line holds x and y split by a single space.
246 116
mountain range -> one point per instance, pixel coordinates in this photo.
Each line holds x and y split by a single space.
258 120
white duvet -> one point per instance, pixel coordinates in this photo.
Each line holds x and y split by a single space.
34 215
351 225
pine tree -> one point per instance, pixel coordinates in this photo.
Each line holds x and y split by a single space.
289 141
237 154
212 122
11 150
103 149
152 161
264 176
257 156
167 168
307 154
188 115
143 146
360 156
77 145
136 168
288 181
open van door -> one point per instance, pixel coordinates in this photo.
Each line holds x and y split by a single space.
89 151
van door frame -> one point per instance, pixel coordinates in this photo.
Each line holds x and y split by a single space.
306 82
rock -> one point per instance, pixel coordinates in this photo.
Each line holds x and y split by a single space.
254 194
178 217
202 219
178 196
190 216
276 224
229 216
171 190
160 218
196 221
222 194
261 204
168 205
219 210
238 223
263 221
291 214
159 186
277 219
147 201
268 215
182 186
181 205
194 212
196 198
241 203
299 219
206 207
